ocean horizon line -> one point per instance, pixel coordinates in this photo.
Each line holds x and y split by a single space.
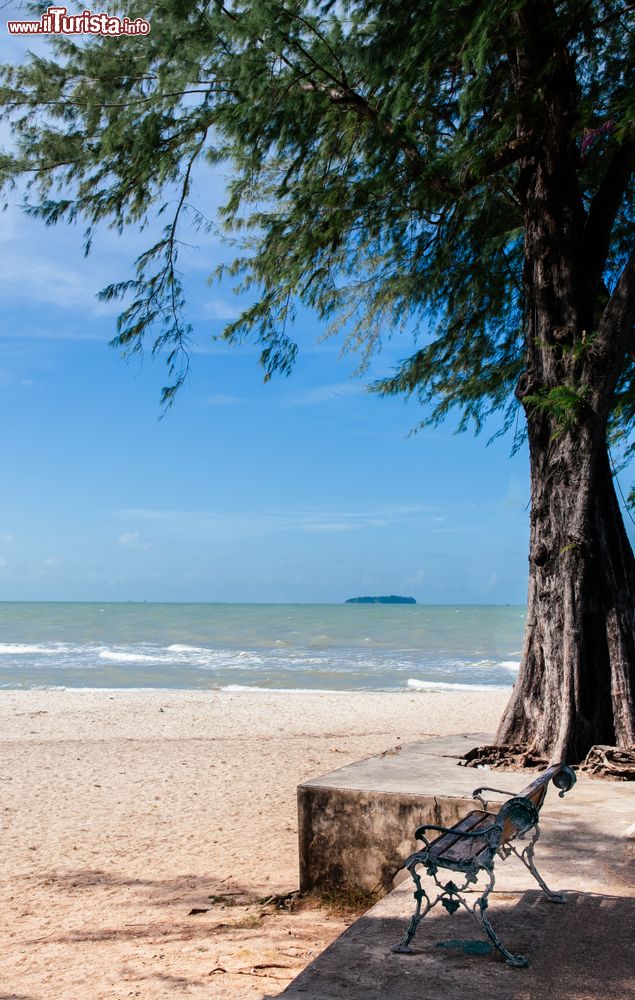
274 604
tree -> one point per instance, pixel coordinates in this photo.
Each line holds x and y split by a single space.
465 169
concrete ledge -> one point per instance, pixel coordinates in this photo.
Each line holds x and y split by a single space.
356 825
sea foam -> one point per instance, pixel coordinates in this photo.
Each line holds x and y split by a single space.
17 648
416 685
114 657
177 647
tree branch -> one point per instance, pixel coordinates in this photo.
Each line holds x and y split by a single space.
347 97
486 167
617 322
496 161
604 208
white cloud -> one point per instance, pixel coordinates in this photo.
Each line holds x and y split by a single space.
7 537
206 525
132 540
333 526
324 394
54 332
220 399
52 562
3 563
221 309
23 277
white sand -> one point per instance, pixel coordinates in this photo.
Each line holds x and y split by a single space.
121 811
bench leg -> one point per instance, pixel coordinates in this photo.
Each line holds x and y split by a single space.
480 913
527 858
421 896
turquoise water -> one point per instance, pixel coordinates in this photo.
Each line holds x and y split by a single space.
255 646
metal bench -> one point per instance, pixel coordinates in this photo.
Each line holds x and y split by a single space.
471 846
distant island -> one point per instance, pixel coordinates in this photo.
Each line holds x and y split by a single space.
393 599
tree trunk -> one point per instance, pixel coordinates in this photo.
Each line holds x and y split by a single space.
577 676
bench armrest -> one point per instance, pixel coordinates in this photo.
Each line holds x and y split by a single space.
459 834
476 794
562 776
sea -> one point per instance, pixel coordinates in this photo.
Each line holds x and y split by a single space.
260 647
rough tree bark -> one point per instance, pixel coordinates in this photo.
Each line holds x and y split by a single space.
577 675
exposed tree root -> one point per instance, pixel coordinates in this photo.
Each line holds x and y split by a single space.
513 757
617 763
613 763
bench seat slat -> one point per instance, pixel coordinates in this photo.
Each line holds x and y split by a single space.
454 846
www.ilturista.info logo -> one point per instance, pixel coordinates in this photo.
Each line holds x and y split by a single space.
57 21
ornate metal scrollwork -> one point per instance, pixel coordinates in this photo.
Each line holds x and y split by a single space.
520 812
565 779
516 820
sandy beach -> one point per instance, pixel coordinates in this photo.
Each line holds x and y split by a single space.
123 811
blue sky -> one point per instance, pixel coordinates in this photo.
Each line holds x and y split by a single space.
304 489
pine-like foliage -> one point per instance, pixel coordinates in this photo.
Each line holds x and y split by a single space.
374 164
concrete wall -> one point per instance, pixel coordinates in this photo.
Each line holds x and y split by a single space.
351 837
356 825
